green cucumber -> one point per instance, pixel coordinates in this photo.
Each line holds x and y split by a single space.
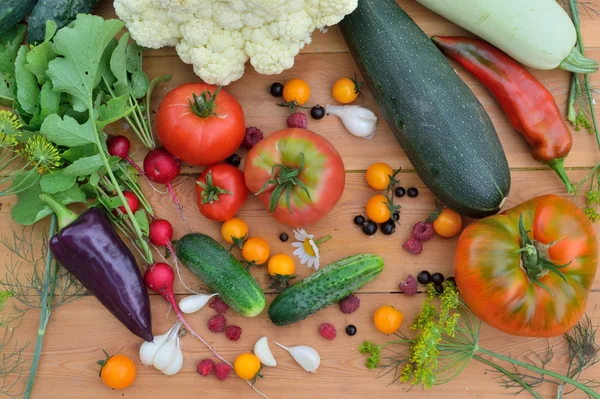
13 11
442 127
329 285
63 12
222 273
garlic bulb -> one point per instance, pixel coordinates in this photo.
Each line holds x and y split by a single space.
359 121
307 357
263 352
164 353
193 303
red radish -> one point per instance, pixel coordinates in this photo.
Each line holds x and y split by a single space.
159 277
118 146
162 167
161 233
132 201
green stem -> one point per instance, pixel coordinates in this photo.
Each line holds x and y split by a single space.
509 375
113 179
322 240
136 189
558 166
141 133
539 370
46 306
65 215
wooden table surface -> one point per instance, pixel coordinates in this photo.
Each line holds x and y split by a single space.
78 331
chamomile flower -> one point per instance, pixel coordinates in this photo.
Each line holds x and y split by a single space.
307 248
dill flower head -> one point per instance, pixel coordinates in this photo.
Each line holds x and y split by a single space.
42 154
10 129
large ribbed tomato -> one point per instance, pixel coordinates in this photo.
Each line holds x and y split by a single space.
530 281
298 174
200 124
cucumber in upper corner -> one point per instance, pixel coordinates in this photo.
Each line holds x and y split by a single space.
13 11
63 12
442 127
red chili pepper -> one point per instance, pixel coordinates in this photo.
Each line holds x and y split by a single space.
529 106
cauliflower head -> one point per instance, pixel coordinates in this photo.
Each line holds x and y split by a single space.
218 37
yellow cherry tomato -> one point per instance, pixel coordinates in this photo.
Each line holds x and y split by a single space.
387 319
346 90
234 231
378 175
246 366
281 264
377 209
256 250
448 223
118 372
296 90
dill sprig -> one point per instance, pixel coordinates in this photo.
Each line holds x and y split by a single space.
447 338
11 364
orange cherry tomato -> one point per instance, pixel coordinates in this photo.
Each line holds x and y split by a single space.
118 372
448 223
377 209
346 90
387 319
234 231
378 175
296 90
247 366
256 250
282 265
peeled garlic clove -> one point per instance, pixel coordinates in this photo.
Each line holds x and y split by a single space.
148 349
166 355
263 352
305 356
177 364
193 303
359 121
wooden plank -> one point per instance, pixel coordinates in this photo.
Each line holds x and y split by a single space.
321 71
347 238
77 332
431 23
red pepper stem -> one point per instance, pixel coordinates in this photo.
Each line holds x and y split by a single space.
578 63
64 215
558 166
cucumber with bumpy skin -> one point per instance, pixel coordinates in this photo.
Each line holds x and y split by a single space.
13 11
63 12
445 132
221 272
329 285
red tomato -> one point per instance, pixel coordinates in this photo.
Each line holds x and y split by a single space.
322 176
200 124
502 273
220 192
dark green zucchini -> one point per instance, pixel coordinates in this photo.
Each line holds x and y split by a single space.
438 122
13 11
331 284
63 12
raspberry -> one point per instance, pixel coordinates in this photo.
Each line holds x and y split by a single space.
423 231
350 304
222 371
297 119
413 246
218 305
233 332
217 323
409 286
252 137
205 367
327 331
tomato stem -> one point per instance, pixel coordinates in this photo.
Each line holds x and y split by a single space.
204 104
210 192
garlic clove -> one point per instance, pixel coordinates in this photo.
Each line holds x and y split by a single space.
193 303
359 121
148 349
307 357
177 364
166 354
263 352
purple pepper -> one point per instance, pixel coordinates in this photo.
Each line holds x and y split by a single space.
91 250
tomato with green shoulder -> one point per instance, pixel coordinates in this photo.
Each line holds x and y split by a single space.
297 174
529 270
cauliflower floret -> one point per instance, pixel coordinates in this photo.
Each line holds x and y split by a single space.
219 36
217 54
149 24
